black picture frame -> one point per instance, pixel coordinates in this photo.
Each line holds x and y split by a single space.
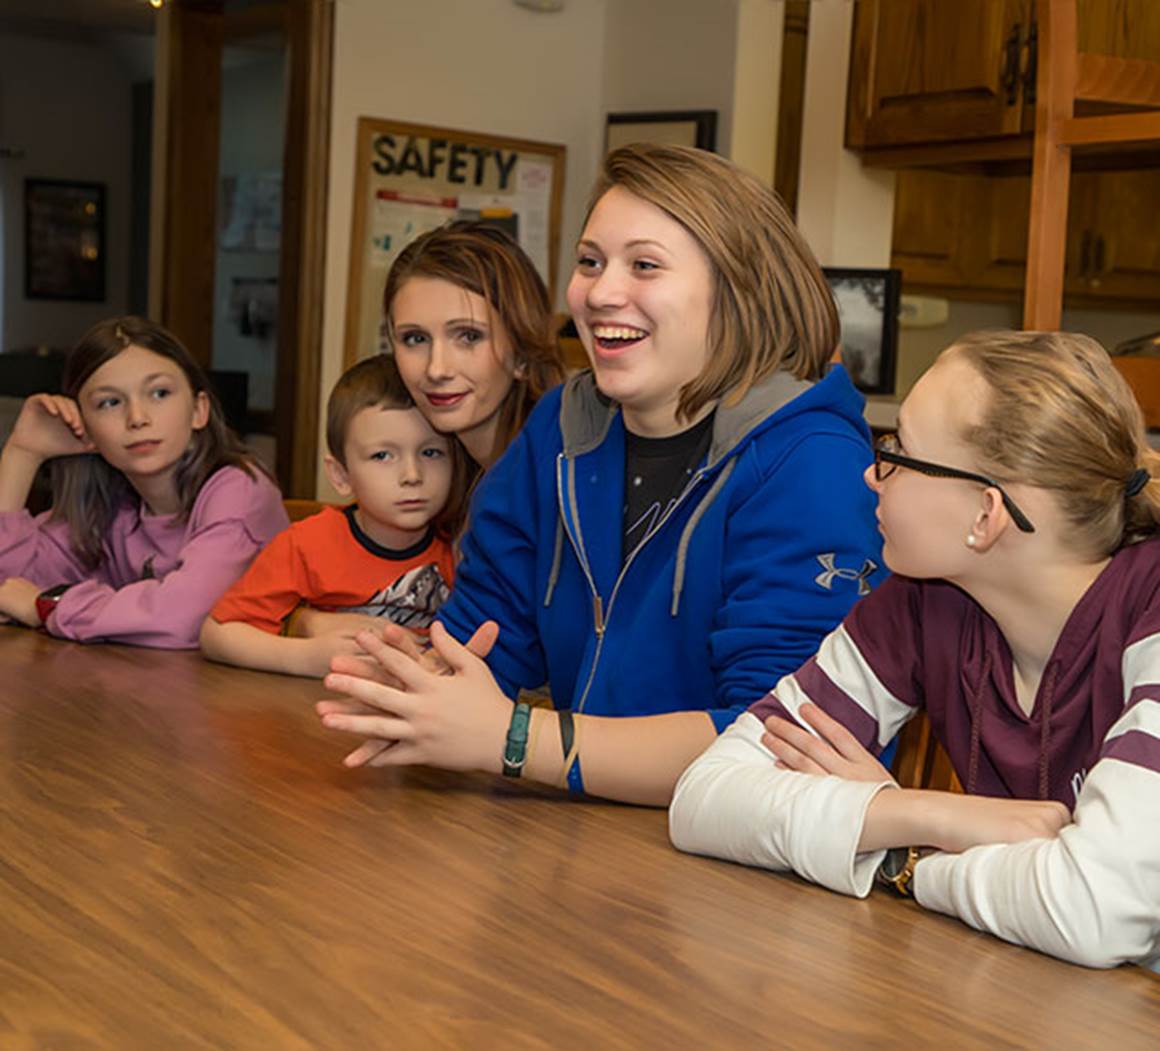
64 240
867 299
694 127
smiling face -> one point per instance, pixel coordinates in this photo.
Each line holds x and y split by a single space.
641 296
456 359
141 412
398 469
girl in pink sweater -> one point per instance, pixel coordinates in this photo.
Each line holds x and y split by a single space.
157 508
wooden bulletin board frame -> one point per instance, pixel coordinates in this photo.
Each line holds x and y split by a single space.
412 177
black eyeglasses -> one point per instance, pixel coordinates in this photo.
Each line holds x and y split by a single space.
887 459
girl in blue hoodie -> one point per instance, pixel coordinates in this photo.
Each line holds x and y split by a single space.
672 531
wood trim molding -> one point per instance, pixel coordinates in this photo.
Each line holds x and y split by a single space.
310 42
1124 81
1051 166
183 210
1111 129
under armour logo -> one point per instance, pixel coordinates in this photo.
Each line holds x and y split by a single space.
826 578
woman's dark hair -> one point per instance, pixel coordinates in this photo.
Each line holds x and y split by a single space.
87 491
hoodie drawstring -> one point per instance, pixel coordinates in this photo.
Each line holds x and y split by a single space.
976 711
1045 728
557 555
687 533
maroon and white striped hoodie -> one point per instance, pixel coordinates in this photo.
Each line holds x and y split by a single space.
1091 741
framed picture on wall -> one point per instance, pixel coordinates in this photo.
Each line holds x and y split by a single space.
867 301
64 240
682 128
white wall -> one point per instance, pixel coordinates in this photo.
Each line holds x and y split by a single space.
757 86
67 105
479 65
672 55
845 211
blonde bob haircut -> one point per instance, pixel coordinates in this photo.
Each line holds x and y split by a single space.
771 309
1060 417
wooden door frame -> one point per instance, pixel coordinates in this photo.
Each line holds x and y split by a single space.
302 299
182 238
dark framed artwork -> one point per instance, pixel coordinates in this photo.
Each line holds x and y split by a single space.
697 127
867 301
64 240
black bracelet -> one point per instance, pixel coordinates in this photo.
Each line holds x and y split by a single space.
567 731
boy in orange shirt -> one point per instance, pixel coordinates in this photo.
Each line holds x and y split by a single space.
387 556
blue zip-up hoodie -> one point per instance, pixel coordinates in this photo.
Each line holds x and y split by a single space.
769 546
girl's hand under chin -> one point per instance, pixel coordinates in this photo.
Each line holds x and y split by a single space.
50 425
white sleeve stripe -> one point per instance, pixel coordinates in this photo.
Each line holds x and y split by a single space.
850 672
1143 715
1140 663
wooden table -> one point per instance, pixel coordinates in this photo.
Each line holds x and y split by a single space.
184 863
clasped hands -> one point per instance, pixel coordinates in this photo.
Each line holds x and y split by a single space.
441 707
947 821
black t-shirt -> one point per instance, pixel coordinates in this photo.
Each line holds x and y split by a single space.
656 471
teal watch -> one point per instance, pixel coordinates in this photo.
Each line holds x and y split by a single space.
515 751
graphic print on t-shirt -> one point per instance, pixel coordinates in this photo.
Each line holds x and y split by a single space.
656 473
412 600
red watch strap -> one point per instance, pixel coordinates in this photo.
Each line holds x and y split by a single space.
46 601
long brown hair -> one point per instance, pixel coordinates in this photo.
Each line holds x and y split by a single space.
1060 417
375 383
772 309
87 491
483 259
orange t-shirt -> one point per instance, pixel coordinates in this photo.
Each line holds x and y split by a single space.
328 562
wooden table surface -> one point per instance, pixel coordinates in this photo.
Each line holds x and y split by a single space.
185 863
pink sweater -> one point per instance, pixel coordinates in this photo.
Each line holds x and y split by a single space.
160 575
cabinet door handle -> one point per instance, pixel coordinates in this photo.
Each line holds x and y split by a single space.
1098 257
1009 70
1031 64
1085 255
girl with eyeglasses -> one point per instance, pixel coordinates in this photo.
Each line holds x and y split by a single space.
1019 514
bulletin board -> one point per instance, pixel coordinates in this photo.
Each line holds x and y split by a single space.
410 178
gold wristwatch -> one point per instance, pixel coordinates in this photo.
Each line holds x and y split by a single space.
897 870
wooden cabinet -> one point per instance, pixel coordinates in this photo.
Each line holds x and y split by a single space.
1113 249
935 72
1124 28
965 234
930 71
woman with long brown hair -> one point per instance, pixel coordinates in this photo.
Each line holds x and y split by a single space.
470 326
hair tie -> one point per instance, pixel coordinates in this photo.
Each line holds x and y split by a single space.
1136 481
